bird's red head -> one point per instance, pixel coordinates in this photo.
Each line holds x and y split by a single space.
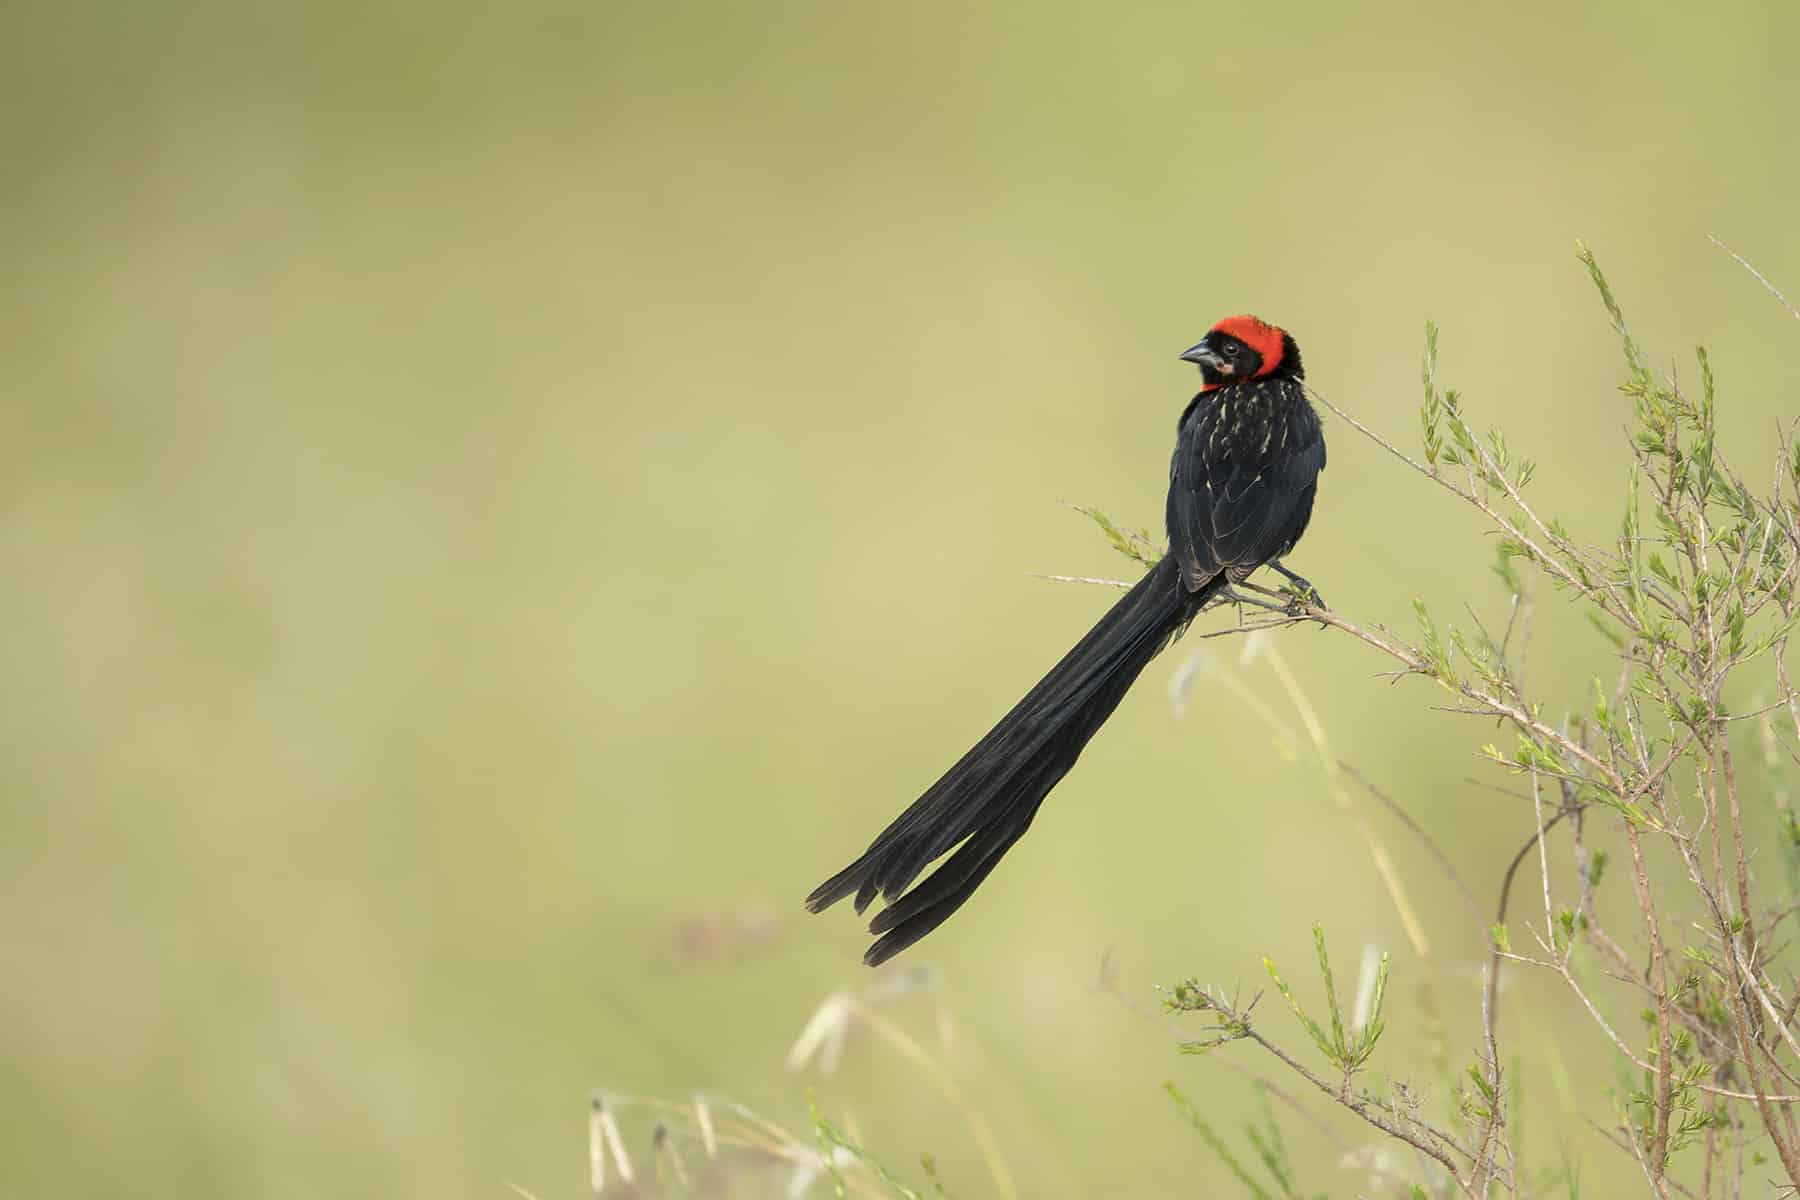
1243 347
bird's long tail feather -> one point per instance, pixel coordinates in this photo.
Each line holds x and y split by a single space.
987 800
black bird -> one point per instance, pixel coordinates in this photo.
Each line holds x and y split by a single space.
1248 452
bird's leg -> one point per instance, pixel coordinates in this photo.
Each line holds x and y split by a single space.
1229 594
1307 591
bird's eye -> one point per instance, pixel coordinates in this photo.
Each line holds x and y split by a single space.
1229 350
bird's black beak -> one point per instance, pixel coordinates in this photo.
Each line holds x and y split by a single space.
1202 354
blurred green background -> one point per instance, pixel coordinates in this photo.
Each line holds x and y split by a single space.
499 502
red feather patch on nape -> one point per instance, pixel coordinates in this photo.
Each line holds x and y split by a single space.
1257 334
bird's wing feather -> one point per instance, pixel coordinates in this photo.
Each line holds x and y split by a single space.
1237 497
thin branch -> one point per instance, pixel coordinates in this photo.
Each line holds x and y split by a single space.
1371 1112
1111 583
1417 830
1619 1044
1665 1042
1758 275
1630 1149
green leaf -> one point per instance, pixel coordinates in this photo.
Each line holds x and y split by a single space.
830 1139
1318 1035
1634 360
1133 544
1186 1108
1338 1040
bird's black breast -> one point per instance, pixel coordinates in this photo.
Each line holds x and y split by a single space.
1241 483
